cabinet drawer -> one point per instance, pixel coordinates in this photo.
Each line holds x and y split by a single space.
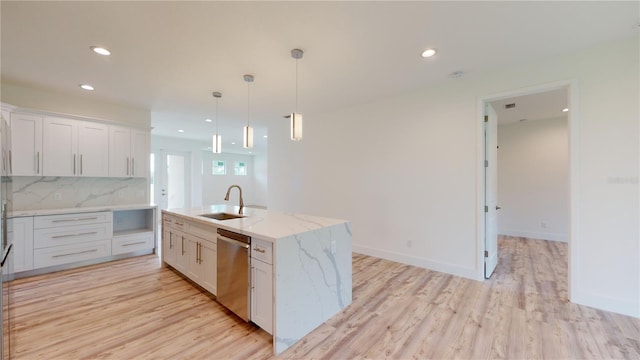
173 222
71 253
50 221
69 235
133 242
262 250
209 233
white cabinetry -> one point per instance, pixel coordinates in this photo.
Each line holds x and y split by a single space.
190 248
133 231
20 233
128 152
169 249
63 239
203 259
262 284
26 140
75 148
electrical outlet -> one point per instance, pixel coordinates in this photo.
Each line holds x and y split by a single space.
543 224
121 193
333 246
57 196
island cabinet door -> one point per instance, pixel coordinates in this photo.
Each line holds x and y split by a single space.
202 263
169 249
183 253
206 264
262 295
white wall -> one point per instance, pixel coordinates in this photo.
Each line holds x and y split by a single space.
533 179
260 179
207 189
82 104
404 169
214 187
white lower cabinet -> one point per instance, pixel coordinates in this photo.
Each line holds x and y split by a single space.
262 284
169 248
193 256
20 233
182 261
204 268
65 254
262 295
123 244
68 238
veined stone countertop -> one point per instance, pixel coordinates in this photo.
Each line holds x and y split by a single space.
19 213
264 224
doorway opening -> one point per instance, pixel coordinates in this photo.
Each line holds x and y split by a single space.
556 226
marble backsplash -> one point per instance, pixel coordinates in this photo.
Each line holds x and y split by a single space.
42 193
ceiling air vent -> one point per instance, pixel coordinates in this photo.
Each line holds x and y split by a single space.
510 106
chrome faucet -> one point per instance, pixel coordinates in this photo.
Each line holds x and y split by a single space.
226 197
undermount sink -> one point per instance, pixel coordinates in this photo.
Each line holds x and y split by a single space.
221 216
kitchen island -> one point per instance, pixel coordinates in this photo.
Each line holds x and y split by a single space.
300 264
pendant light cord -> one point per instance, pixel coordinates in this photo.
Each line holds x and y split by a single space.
217 102
248 101
296 85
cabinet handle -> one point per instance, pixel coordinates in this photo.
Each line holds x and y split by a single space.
74 164
80 164
179 223
127 166
170 241
135 243
75 253
199 253
182 246
10 163
133 167
72 235
75 219
259 250
38 162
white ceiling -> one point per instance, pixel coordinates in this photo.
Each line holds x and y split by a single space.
169 56
545 105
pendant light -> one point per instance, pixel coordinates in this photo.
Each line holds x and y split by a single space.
296 118
248 130
216 146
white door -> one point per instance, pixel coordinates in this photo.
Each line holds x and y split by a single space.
490 191
172 179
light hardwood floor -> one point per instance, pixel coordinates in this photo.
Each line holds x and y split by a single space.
136 309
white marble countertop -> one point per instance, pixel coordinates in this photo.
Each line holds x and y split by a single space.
19 213
263 224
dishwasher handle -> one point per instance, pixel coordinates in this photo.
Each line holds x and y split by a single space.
235 242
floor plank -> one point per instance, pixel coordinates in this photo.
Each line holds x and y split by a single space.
138 309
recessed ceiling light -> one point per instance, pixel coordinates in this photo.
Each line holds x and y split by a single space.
233 143
266 136
456 74
86 87
428 53
100 50
180 130
565 109
207 120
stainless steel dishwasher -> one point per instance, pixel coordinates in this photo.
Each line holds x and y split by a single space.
234 285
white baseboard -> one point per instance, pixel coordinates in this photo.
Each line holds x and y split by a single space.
535 235
419 262
627 307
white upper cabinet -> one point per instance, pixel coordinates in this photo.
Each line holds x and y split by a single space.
26 139
75 148
128 152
